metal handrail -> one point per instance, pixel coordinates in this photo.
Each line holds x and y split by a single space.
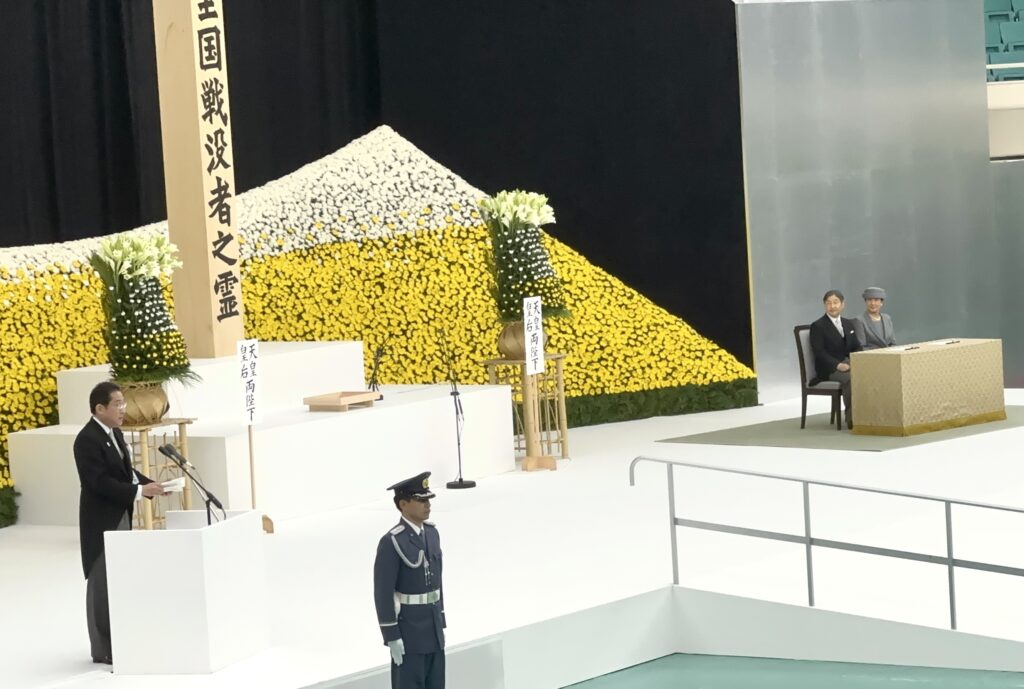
809 541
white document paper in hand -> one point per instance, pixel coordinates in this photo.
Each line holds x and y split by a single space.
175 485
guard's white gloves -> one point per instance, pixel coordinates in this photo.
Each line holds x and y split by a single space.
397 650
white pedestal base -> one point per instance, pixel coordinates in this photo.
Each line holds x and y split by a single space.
213 595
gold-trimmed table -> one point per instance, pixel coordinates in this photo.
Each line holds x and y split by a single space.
927 386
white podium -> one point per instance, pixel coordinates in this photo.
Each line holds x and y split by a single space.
210 582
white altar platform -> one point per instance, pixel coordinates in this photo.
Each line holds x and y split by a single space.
522 550
289 371
306 462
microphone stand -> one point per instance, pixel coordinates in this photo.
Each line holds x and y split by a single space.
168 451
446 354
378 354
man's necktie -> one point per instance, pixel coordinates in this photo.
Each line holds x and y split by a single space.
422 536
117 446
120 453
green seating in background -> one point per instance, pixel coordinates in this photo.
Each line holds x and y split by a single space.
1013 35
1010 73
1004 38
999 10
993 41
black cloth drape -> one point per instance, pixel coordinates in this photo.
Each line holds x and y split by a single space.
68 167
80 151
625 114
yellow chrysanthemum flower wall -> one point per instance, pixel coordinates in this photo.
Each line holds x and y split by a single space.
377 243
406 287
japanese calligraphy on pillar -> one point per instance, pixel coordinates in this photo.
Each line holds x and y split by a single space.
215 134
199 172
533 330
248 369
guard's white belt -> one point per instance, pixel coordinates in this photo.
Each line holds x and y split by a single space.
419 598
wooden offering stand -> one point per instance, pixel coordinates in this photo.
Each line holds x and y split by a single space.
341 401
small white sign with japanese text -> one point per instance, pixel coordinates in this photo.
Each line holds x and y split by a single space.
248 365
533 332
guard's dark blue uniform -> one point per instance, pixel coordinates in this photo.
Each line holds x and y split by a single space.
408 594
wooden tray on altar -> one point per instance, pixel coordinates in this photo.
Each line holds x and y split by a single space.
341 401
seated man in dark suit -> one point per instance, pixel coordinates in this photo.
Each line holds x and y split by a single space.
833 339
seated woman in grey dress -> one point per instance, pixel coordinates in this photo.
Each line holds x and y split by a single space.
874 328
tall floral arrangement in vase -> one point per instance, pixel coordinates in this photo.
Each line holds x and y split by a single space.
519 262
146 347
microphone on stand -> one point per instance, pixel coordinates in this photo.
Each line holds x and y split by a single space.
172 453
449 362
378 354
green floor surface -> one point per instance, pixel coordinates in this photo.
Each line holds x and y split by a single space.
820 435
722 672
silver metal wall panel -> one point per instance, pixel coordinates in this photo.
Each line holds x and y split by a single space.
866 163
1008 181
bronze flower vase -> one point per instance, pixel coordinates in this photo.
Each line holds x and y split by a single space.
512 341
145 403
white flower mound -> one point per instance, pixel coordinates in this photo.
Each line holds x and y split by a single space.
375 187
38 259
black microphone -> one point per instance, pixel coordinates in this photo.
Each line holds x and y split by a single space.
170 452
378 354
448 358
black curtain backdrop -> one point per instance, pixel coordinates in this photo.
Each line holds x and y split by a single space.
80 134
625 114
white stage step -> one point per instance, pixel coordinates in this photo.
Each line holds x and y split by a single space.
289 371
306 462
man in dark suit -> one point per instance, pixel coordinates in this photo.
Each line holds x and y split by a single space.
833 339
407 590
110 487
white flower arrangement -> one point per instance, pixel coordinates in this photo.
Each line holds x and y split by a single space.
138 256
519 263
144 343
41 259
518 208
376 187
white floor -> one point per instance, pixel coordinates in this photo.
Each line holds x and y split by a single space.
524 547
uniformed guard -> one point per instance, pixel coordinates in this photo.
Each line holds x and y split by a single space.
407 590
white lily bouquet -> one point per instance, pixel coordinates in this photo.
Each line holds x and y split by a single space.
145 345
518 261
133 257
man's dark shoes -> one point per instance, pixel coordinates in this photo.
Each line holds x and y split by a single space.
106 660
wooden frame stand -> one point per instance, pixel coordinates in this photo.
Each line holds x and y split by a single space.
538 409
144 444
542 463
